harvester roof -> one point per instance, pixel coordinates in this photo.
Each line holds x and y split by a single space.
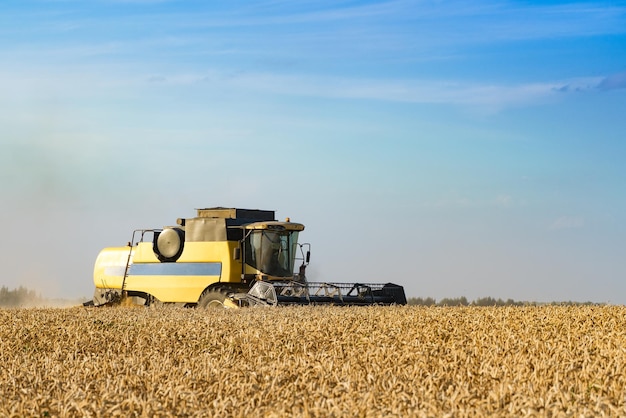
275 225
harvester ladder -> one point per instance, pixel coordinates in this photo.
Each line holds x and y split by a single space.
127 268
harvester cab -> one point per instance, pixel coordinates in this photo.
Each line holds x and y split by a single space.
270 250
223 257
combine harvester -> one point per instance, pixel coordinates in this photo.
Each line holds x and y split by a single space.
224 257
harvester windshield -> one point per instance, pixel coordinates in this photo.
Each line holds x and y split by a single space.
271 251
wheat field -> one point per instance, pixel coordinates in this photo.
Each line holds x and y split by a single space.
314 361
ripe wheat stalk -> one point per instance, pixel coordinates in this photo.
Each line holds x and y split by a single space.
314 361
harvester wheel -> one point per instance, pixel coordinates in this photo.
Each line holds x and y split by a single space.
216 297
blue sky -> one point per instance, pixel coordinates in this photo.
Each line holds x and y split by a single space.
457 148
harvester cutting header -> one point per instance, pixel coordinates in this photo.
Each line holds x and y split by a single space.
223 257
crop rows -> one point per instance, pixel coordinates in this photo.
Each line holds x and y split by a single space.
314 361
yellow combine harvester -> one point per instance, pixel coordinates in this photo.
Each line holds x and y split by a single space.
223 257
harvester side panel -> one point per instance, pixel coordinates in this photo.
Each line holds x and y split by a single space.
205 229
144 253
109 268
199 266
173 282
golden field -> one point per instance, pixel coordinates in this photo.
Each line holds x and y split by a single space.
314 361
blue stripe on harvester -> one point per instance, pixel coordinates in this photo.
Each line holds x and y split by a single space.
176 269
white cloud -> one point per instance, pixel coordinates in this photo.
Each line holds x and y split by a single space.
568 222
504 200
613 82
94 83
448 92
